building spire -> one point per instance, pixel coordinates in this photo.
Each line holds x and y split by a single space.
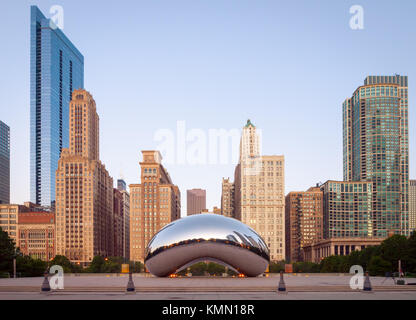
249 124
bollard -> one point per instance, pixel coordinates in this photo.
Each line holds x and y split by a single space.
130 284
367 283
45 284
282 286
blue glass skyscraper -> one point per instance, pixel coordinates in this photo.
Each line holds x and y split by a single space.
56 69
4 163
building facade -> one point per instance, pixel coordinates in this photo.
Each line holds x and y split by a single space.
412 205
9 219
154 203
4 163
196 201
227 198
304 221
84 189
259 192
215 210
118 224
337 247
56 69
376 149
37 234
122 187
348 208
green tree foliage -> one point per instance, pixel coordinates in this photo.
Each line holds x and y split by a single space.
215 269
306 267
394 249
63 262
331 264
203 269
377 259
378 266
276 267
100 264
137 267
112 265
96 265
366 254
411 263
7 251
198 269
28 267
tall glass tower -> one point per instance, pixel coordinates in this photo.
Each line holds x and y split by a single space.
4 163
376 149
56 69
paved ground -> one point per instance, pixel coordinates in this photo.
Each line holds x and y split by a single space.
215 282
301 286
212 296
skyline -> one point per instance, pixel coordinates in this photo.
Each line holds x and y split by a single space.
279 137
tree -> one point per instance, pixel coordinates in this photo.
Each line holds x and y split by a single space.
276 267
411 245
394 249
137 267
215 268
354 258
63 262
7 252
28 267
96 265
331 264
198 269
366 254
111 266
378 266
307 267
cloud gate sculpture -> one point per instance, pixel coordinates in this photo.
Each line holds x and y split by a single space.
203 237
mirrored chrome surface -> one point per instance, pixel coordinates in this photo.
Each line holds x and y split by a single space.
207 237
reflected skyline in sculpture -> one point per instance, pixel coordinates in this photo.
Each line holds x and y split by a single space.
207 237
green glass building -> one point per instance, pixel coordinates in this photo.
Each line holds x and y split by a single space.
376 149
348 208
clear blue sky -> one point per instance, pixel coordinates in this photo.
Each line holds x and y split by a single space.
286 65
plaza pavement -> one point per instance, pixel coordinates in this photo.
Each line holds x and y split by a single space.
299 286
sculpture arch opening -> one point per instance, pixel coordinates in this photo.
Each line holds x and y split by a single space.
208 264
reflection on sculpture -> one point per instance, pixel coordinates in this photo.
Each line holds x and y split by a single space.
206 237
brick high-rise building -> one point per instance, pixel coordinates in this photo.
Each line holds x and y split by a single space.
412 205
37 234
153 204
84 189
376 149
304 221
227 198
259 192
10 217
196 201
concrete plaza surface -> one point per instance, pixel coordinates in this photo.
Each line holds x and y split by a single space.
211 296
299 286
